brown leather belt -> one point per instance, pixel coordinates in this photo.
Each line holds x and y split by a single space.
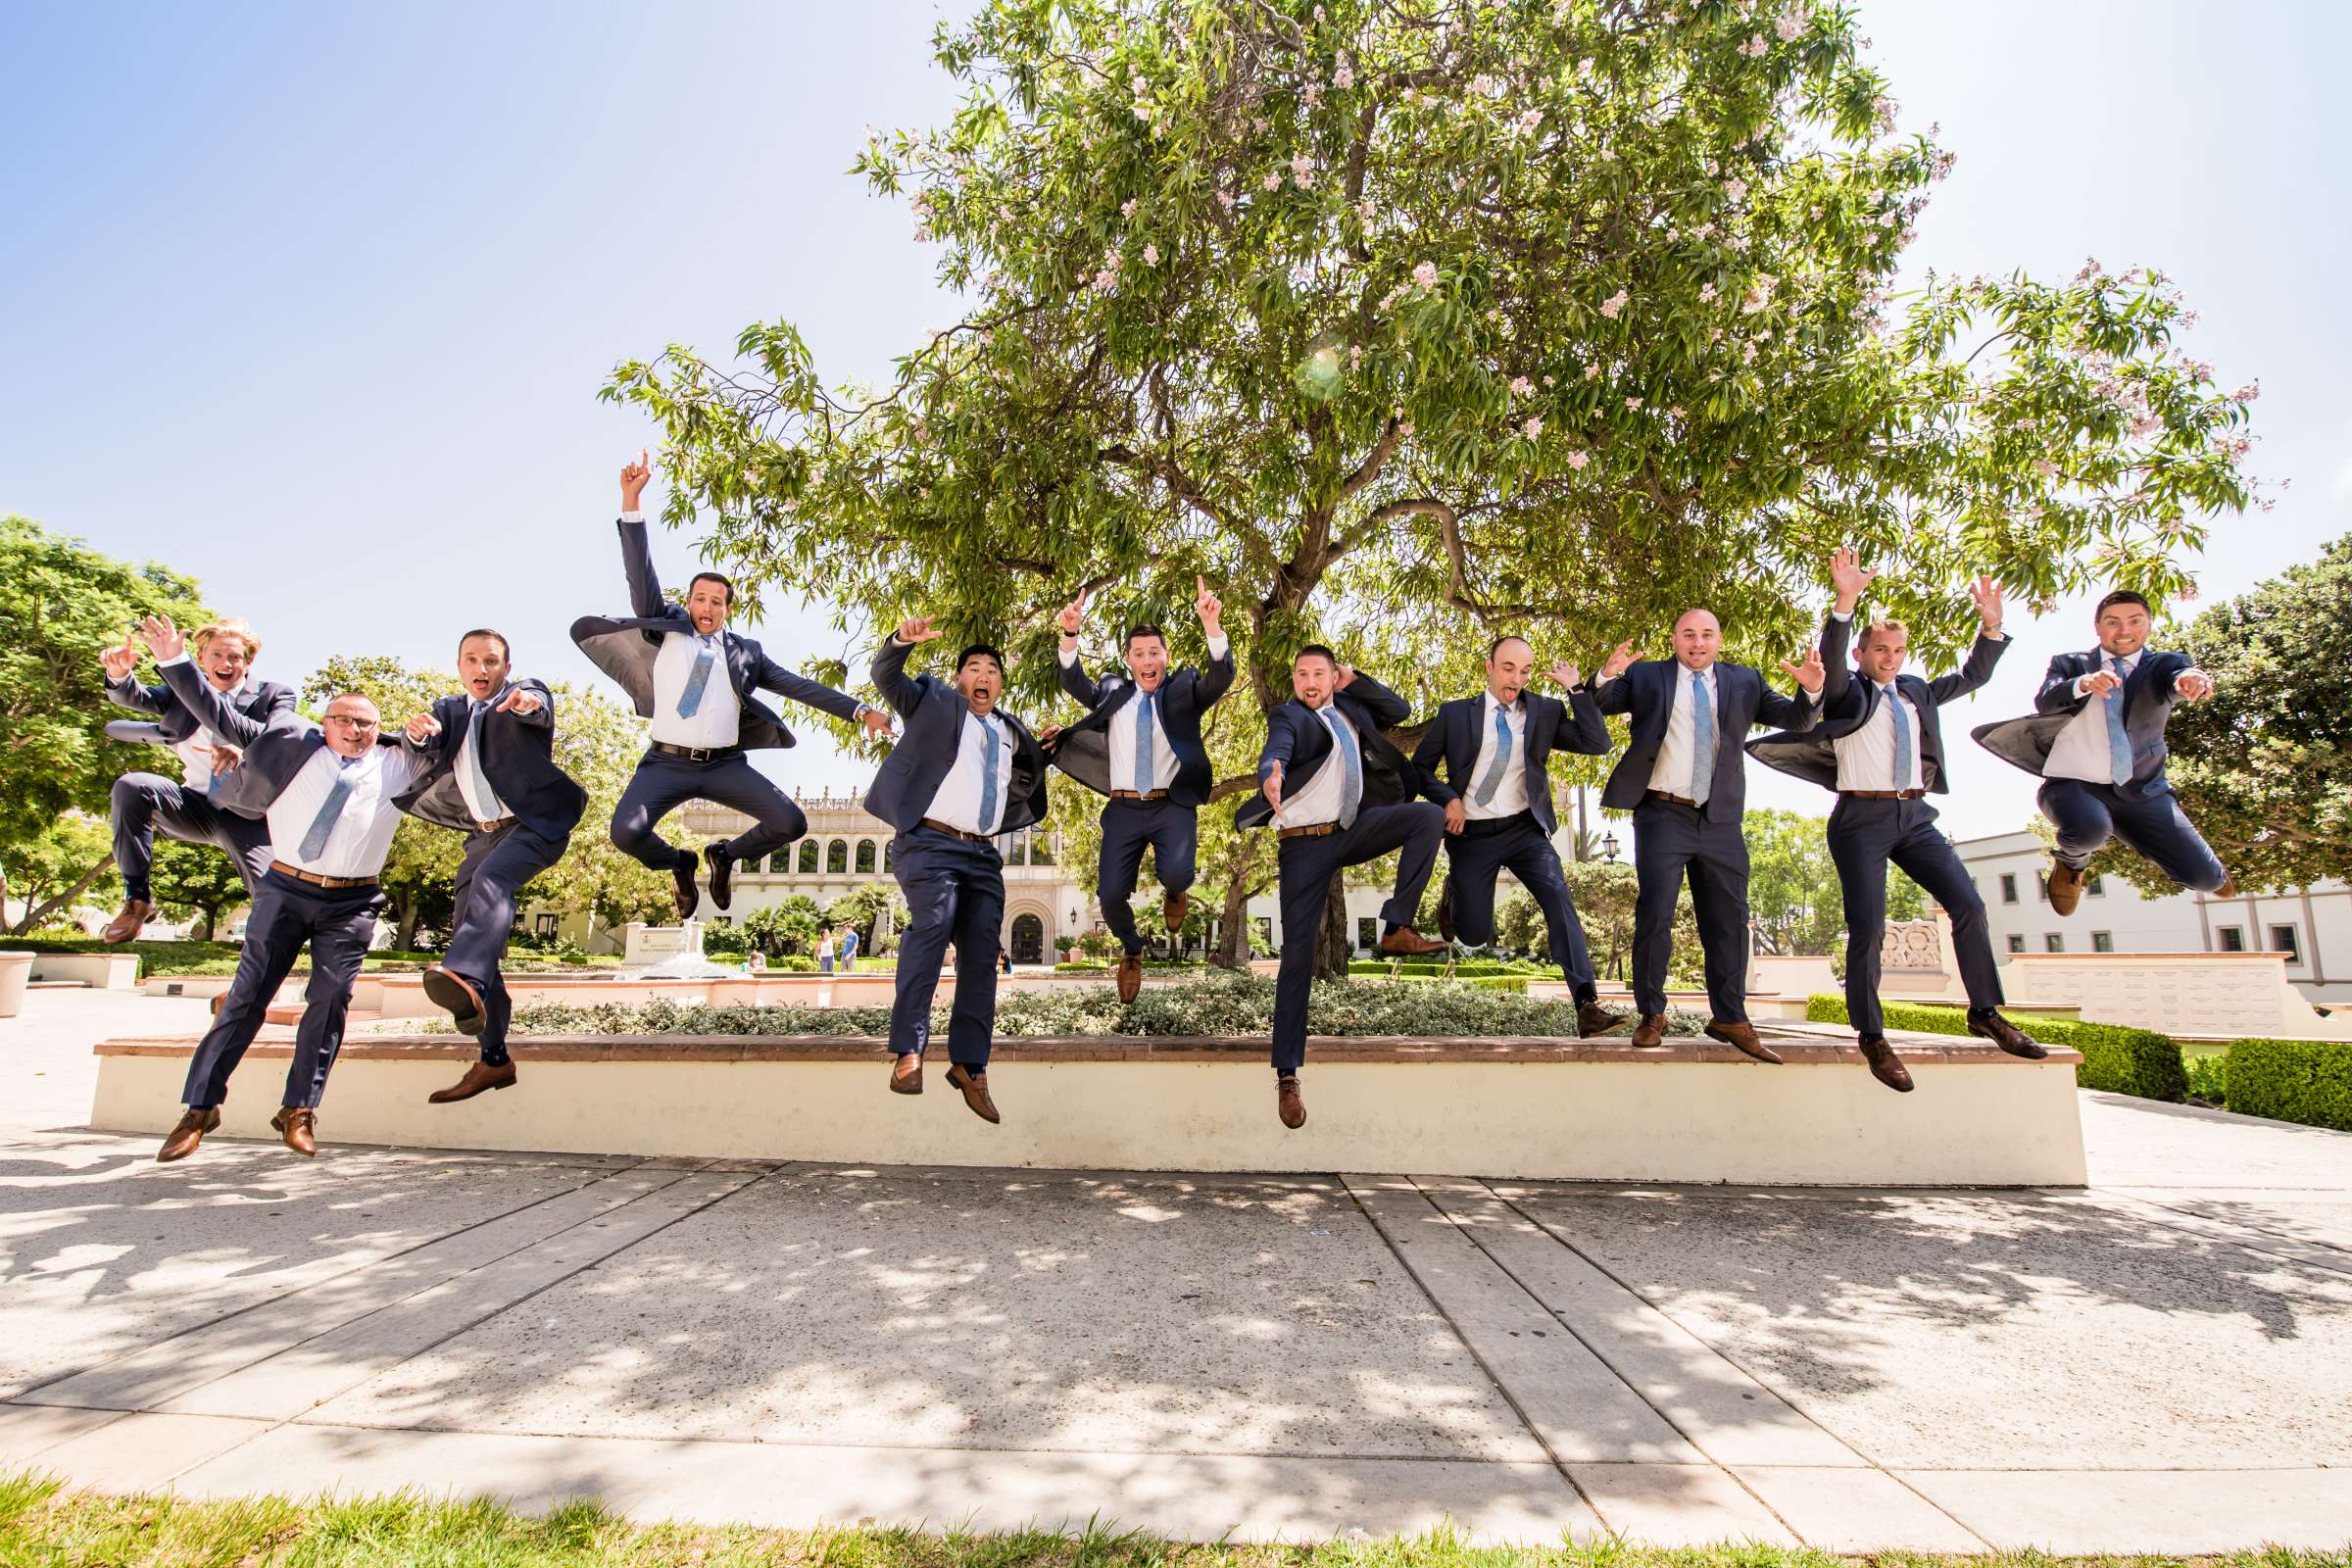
1679 800
1881 795
480 826
1479 827
698 754
317 881
1318 830
1131 794
937 826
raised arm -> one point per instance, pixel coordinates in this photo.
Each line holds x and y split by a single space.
766 672
530 701
1611 691
1586 733
889 670
1992 642
636 556
1801 711
1388 710
1218 678
122 687
2058 694
1073 676
212 710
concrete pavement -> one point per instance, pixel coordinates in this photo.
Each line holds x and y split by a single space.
2162 1362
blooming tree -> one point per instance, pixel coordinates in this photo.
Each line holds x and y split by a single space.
1443 317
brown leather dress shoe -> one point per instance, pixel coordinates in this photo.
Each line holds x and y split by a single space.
1885 1066
298 1125
975 1091
1288 1104
2228 887
183 1140
1173 908
1650 1031
1591 1018
130 923
479 1077
2006 1035
1130 976
444 988
906 1075
2066 888
1445 911
1744 1035
1411 943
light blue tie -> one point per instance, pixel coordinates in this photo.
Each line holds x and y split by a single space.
1485 793
691 699
1902 738
1147 767
1702 740
988 777
322 826
483 795
1351 788
2119 739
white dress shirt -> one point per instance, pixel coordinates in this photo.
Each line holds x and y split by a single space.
1318 798
1120 731
2080 750
196 752
717 720
1511 793
363 832
957 803
480 799
1671 772
1866 758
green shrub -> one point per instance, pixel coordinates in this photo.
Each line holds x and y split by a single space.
2306 1081
2115 1058
2208 1078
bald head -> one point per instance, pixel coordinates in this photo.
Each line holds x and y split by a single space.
1510 663
1697 639
351 724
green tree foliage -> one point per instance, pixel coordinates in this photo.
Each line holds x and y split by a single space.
46 873
197 879
63 602
787 927
1344 304
1792 888
2264 766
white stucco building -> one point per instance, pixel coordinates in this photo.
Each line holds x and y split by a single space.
2313 925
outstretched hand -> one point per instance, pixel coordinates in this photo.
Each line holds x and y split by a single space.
423 727
1273 789
633 480
1073 615
1564 674
2194 685
1620 660
1808 674
120 661
520 700
919 629
1849 577
163 638
2102 683
1986 595
1208 605
876 720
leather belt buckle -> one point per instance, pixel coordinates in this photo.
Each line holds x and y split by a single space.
1668 795
1315 830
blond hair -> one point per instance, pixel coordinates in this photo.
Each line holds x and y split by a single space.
1888 624
234 628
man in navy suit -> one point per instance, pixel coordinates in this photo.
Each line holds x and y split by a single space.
1340 793
325 798
963 772
1496 749
145 803
1880 747
1140 743
2096 741
1684 778
487 768
698 685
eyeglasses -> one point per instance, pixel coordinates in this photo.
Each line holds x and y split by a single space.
354 723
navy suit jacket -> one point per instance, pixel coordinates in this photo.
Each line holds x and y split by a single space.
1460 735
518 755
934 713
624 648
1847 703
1298 738
2148 698
274 749
1083 750
1742 701
173 720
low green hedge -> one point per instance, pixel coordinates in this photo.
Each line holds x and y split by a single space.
2115 1058
2306 1081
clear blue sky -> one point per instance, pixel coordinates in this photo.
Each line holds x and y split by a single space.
313 301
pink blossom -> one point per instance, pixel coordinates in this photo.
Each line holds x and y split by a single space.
1706 295
1304 177
1530 119
1225 198
1343 79
1356 356
1127 208
1314 95
1735 189
2046 469
1259 124
2187 592
1426 275
2247 393
1613 304
1632 403
1150 255
1405 428
1274 181
1755 47
1105 280
1792 24
1676 412
1534 428
1592 371
1521 386
1484 85
1579 457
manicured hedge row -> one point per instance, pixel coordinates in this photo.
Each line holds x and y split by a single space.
2306 1081
2120 1060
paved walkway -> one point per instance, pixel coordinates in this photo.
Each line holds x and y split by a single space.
2163 1362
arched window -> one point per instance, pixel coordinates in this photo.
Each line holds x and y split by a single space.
836 856
807 857
865 855
889 853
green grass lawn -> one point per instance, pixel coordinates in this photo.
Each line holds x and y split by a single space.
39 1522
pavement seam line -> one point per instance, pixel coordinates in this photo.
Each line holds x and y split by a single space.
341 1274
1733 1362
2260 1233
1463 1339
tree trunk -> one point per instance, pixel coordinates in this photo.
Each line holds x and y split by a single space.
1332 945
35 914
1232 942
409 911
